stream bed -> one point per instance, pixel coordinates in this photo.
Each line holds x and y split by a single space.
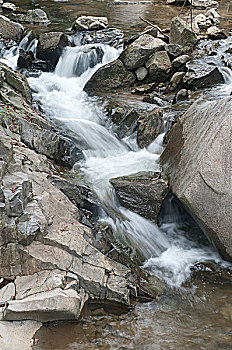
194 312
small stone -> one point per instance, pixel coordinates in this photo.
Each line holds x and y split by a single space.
180 61
7 293
215 33
141 73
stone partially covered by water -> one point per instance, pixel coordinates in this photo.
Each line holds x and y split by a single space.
143 193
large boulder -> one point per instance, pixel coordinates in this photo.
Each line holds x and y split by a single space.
50 46
159 67
90 23
10 30
182 34
197 161
202 75
139 51
112 76
142 193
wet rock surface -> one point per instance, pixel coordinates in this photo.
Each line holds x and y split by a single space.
142 193
50 47
49 256
112 76
201 75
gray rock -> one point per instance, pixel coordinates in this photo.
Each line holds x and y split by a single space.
7 292
18 335
175 81
181 95
39 282
159 67
36 16
8 7
112 76
182 34
16 80
11 30
180 61
174 50
90 23
202 75
50 46
137 53
204 4
46 306
215 33
197 161
141 73
178 2
150 127
202 21
142 193
6 151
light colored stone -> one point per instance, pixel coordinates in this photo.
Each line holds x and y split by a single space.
17 335
7 292
182 34
204 4
8 6
215 33
90 23
46 306
175 80
141 73
10 30
180 61
38 282
139 51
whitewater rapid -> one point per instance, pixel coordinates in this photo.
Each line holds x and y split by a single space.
168 255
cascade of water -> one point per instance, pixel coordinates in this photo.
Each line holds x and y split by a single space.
168 255
10 57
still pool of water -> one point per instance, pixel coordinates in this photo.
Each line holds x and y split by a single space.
124 16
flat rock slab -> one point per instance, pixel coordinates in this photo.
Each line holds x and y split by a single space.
7 292
17 335
47 306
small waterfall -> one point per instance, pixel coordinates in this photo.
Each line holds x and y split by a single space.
10 57
77 60
167 251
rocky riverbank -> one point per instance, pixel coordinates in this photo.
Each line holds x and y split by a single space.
56 258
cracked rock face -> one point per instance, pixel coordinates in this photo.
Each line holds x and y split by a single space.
49 266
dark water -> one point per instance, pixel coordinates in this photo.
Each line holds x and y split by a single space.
125 17
198 317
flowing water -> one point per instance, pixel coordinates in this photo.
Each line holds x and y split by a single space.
186 317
